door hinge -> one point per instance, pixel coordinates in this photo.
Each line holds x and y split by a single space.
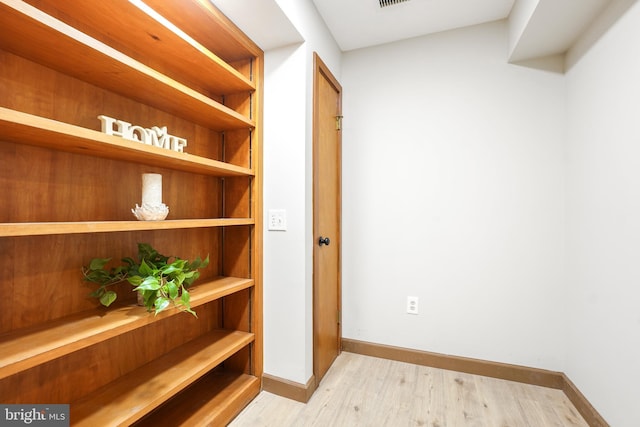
338 122
339 316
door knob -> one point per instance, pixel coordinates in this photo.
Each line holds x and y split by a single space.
323 241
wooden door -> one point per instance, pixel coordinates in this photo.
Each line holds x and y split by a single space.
326 218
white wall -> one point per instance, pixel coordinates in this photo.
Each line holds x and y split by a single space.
453 192
288 185
455 165
519 17
603 222
284 261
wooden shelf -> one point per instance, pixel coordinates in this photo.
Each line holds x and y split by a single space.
23 128
212 401
22 350
138 393
32 34
16 229
202 21
167 48
176 62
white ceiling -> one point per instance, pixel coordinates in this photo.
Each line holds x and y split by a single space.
554 27
551 26
262 20
361 23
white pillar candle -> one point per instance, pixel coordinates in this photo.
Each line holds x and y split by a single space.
151 189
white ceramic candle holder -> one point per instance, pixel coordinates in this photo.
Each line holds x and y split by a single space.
152 208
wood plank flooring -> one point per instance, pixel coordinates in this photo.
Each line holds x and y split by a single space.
366 391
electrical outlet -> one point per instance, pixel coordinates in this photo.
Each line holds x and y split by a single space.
277 220
412 305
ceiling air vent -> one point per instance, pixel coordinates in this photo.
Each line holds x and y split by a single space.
385 3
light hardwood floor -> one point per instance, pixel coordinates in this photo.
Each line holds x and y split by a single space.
366 391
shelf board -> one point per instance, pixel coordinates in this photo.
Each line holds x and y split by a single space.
167 48
15 229
24 128
31 33
209 26
136 394
25 349
213 401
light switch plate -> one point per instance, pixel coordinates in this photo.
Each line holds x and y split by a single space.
277 220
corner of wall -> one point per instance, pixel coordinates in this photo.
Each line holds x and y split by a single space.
596 30
518 19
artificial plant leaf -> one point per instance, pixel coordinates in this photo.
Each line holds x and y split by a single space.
108 298
179 277
98 263
98 276
149 284
170 269
129 261
186 297
149 297
172 289
185 301
198 263
118 270
145 251
189 310
192 278
161 303
97 293
135 280
145 269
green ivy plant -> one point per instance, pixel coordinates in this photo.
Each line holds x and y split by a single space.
161 280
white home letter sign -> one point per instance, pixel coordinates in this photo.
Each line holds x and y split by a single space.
156 136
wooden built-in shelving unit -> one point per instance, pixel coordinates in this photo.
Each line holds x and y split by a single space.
33 130
67 190
50 228
25 349
160 379
36 35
